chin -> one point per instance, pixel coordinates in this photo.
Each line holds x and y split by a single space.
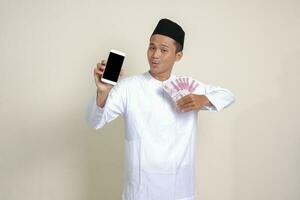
154 70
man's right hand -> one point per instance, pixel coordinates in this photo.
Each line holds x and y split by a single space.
102 88
98 72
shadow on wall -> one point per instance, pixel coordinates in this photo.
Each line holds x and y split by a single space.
266 143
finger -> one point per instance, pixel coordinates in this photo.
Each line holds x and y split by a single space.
187 107
100 70
103 62
97 73
100 66
185 99
188 110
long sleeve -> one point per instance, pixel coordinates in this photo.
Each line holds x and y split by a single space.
218 96
97 117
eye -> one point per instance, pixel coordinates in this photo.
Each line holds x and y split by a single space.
164 50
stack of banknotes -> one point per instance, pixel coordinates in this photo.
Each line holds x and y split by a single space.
180 87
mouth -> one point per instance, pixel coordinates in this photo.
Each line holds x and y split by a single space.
154 63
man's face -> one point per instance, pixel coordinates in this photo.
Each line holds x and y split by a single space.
162 54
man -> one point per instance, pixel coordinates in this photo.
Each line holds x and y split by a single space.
159 134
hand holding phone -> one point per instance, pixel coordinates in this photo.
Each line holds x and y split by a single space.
98 72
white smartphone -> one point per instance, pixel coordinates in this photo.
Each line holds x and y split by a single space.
113 67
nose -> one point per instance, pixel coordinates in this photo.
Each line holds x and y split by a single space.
156 54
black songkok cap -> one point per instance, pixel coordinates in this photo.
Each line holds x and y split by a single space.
171 29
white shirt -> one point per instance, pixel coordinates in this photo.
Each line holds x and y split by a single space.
159 139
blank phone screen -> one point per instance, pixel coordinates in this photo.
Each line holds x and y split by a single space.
113 67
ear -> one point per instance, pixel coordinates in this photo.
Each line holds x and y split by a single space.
178 56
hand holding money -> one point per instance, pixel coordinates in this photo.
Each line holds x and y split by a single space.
181 91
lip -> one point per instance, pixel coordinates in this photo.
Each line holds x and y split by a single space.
154 63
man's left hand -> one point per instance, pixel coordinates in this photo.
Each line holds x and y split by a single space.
192 102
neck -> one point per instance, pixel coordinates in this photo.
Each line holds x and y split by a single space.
161 77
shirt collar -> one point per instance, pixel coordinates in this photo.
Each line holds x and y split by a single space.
154 80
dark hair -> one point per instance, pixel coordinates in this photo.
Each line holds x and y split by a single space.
178 47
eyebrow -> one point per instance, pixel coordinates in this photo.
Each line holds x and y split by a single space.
161 45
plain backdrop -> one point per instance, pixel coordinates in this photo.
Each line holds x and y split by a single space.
48 49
